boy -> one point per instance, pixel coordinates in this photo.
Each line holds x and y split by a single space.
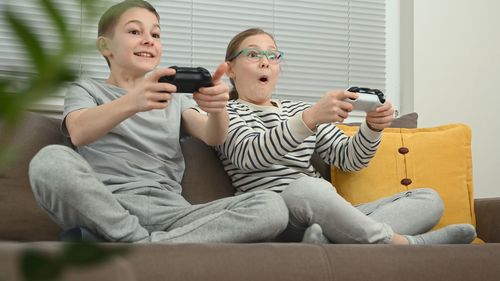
124 182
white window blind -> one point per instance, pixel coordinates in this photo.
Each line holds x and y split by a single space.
328 44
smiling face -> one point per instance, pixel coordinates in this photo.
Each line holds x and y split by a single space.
255 80
134 47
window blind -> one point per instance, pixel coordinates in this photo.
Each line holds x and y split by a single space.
328 44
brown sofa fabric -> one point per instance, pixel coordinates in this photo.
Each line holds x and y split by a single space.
488 219
284 262
202 173
21 218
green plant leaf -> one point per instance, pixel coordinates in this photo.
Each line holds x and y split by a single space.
36 266
51 68
85 253
9 109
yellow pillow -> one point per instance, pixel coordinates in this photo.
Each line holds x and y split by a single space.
438 157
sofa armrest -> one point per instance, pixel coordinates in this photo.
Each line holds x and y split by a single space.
488 219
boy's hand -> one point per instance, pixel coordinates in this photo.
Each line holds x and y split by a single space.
214 99
149 94
381 117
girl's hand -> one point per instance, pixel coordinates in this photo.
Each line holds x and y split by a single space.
381 117
332 107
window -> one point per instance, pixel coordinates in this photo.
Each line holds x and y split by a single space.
328 44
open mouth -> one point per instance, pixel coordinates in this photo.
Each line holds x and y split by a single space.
263 79
144 54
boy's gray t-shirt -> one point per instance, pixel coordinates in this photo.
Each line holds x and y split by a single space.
142 151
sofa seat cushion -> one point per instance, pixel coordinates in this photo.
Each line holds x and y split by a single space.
438 157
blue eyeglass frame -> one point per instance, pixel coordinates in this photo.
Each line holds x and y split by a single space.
261 53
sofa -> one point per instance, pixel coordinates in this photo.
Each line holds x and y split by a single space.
25 227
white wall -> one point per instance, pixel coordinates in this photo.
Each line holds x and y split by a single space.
454 75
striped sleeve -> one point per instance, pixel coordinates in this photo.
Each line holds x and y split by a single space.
255 148
347 153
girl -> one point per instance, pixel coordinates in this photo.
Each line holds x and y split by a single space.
270 143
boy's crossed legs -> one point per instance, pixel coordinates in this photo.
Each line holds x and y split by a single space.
66 188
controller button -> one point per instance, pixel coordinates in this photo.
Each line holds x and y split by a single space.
403 150
406 182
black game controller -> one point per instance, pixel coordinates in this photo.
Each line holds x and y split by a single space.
368 100
188 79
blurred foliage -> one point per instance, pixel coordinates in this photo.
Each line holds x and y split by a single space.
51 68
40 266
52 71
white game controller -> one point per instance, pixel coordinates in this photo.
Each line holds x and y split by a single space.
368 99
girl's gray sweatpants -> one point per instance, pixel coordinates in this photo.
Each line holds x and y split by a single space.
314 200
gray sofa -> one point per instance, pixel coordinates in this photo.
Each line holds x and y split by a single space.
24 226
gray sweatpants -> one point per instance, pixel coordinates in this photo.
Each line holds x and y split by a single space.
64 185
314 200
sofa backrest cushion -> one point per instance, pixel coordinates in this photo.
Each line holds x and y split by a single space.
204 177
21 219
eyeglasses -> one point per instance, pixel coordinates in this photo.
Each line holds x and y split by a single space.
255 55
